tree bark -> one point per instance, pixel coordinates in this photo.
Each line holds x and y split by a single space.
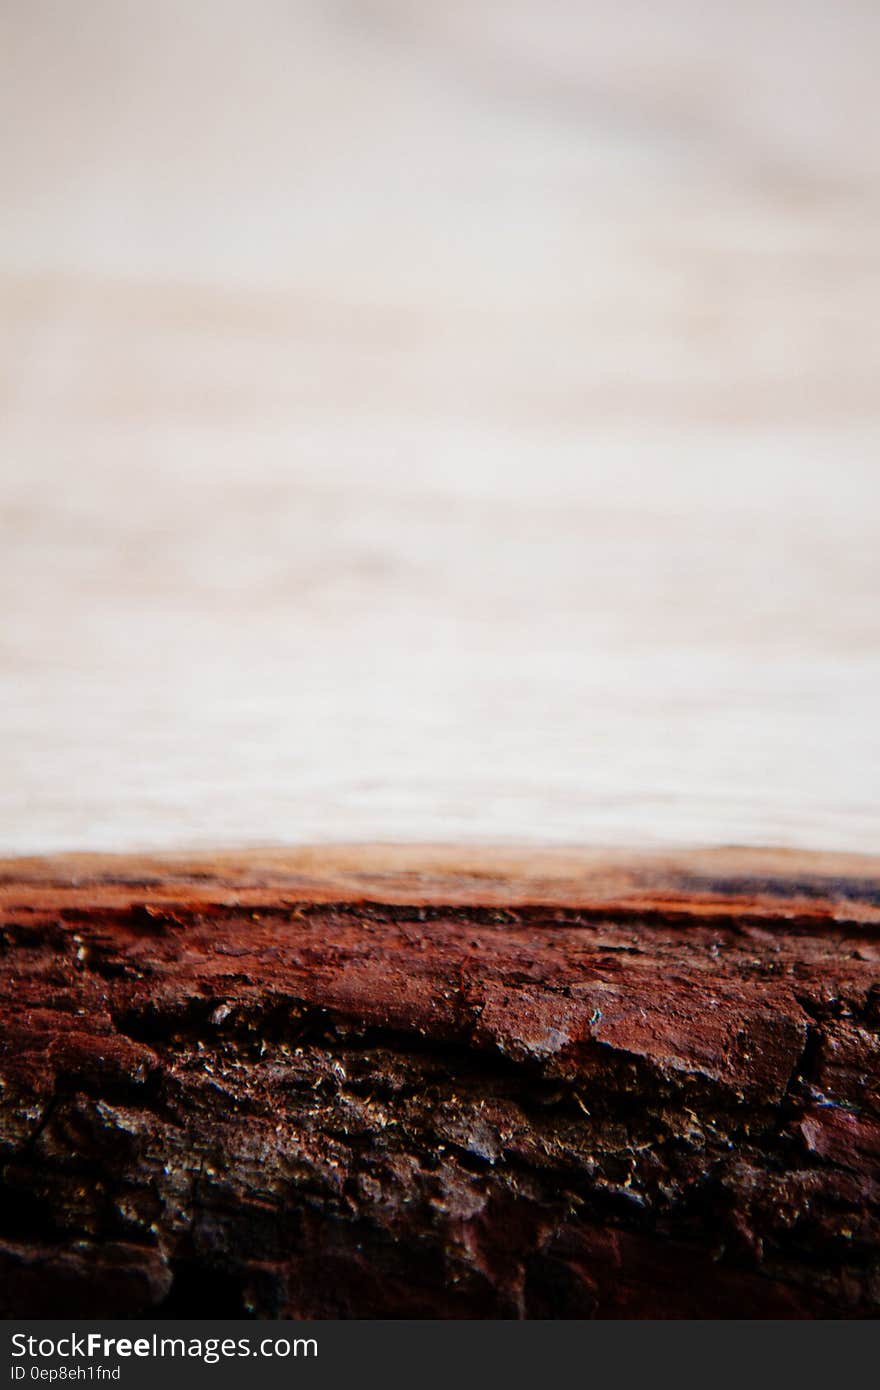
430 1083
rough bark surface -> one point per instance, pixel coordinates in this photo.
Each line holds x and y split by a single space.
415 1083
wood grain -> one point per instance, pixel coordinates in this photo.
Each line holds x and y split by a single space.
439 423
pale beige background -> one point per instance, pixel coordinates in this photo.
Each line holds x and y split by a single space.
439 421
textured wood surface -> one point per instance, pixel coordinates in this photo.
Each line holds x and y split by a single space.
394 1083
439 422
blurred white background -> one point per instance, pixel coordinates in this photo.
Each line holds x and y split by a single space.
445 422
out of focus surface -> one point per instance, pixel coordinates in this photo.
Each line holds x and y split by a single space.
450 422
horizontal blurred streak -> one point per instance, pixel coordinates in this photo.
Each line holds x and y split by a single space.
434 422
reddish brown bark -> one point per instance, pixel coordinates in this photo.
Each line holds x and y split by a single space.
422 1083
